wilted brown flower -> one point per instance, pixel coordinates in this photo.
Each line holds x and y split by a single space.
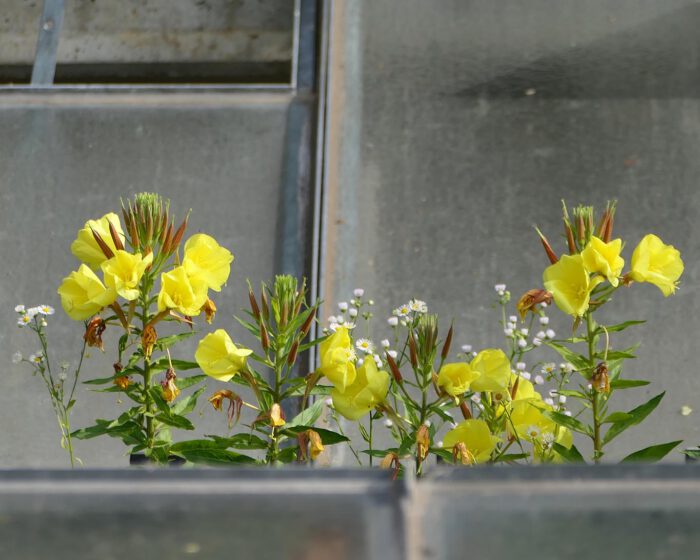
148 340
530 299
209 309
93 332
235 404
422 442
170 390
600 380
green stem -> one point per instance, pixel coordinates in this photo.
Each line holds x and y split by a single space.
371 423
597 442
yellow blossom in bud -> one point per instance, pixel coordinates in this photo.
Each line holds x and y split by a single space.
604 258
337 359
277 416
86 248
476 437
456 378
219 357
123 273
209 309
206 261
657 263
569 282
178 292
315 444
83 294
493 367
367 391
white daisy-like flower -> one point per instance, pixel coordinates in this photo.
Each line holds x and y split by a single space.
16 357
388 423
385 343
36 358
567 367
549 368
353 312
358 292
24 320
466 348
533 432
544 320
526 375
539 380
19 308
537 341
63 376
508 332
393 321
524 331
513 319
418 306
402 310
343 306
46 309
550 333
33 311
333 326
548 439
521 366
500 288
393 353
522 343
348 325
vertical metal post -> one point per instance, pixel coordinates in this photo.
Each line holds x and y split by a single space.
50 26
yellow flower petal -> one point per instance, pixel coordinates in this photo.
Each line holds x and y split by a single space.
219 357
456 378
604 258
493 367
570 284
476 437
206 261
179 292
367 391
337 359
86 249
657 263
123 273
83 294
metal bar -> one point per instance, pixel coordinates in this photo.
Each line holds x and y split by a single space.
50 26
307 49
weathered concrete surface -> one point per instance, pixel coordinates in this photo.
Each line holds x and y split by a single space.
453 130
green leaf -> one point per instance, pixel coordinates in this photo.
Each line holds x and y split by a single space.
637 415
288 455
627 383
692 453
574 394
616 417
168 341
307 417
571 455
616 355
100 380
161 364
569 422
379 452
444 454
619 327
186 405
185 382
241 441
208 452
651 454
510 457
175 421
579 362
328 437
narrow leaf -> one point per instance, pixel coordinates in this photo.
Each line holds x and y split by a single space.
637 415
651 454
627 383
571 455
569 422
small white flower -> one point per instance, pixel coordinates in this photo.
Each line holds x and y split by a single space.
548 368
404 322
46 309
440 444
550 333
333 319
541 334
500 287
533 432
385 343
63 376
44 323
567 413
388 423
685 410
393 353
358 292
24 320
522 343
537 341
548 439
562 399
466 348
16 357
511 325
567 367
539 380
378 360
33 311
349 325
526 375
418 306
513 319
19 308
36 358
549 401
473 354
365 345
525 331
333 326
343 306
353 302
402 310
353 312
544 320
508 332
427 423
521 366
544 304
589 386
370 302
393 321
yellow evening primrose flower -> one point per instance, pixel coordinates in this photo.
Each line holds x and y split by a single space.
494 371
86 249
206 261
123 273
569 282
367 391
456 378
219 357
83 294
337 359
527 421
604 258
657 263
178 291
525 390
476 437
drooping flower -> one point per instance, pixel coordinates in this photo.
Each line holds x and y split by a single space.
476 438
493 367
456 378
86 248
569 282
123 273
604 258
206 261
657 263
219 357
367 391
178 291
338 359
83 294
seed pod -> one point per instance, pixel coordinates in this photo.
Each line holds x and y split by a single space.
413 350
105 248
307 324
448 342
264 339
253 303
293 353
570 239
115 237
394 368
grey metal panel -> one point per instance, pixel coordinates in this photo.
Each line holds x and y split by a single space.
453 130
68 158
50 26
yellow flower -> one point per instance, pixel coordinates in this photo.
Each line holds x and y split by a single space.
83 294
315 444
493 367
337 359
177 291
206 261
604 258
527 421
657 263
570 284
219 357
475 436
367 391
277 416
456 378
526 390
86 249
123 273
